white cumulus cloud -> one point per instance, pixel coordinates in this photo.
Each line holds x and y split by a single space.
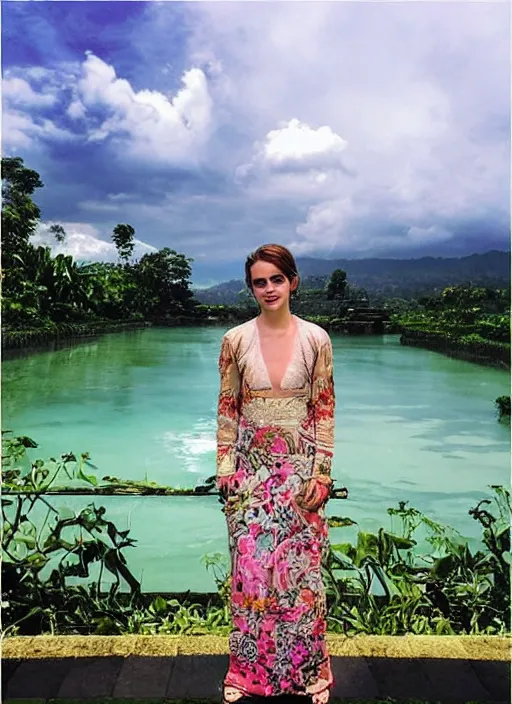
325 227
297 148
296 161
296 145
19 92
25 111
414 103
21 130
151 125
148 125
339 128
83 243
76 110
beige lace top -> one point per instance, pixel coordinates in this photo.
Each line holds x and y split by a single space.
304 404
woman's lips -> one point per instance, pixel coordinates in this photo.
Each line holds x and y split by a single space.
271 300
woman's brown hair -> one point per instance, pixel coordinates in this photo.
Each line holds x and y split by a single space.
275 254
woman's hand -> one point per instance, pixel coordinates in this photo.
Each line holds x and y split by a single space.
228 487
315 493
224 484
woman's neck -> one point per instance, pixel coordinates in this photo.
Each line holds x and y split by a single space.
280 320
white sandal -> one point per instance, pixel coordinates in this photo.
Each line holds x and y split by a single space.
231 694
321 697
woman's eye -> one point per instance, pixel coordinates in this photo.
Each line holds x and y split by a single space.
276 280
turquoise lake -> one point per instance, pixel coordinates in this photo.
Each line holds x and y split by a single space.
411 425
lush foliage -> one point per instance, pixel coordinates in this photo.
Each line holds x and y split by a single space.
317 295
55 561
463 321
123 239
55 564
465 311
380 584
503 405
20 214
41 335
337 284
43 548
40 289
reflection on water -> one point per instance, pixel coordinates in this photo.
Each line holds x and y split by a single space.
410 425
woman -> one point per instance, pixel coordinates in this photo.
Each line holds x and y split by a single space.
274 451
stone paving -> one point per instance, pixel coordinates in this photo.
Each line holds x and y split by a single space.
458 679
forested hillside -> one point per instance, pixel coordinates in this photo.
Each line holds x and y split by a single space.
396 278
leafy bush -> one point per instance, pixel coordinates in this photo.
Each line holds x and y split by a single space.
503 404
463 312
55 562
45 549
450 591
39 557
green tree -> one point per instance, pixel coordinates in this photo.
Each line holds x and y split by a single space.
59 233
337 285
20 215
163 283
110 289
123 240
49 289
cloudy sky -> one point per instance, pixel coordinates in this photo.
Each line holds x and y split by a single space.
350 129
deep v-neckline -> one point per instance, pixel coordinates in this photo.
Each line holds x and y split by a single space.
290 361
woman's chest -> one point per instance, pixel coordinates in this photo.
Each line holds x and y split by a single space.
277 368
277 357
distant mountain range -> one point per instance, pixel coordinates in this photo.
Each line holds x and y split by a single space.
390 277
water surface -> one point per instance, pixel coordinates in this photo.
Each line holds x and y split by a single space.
410 425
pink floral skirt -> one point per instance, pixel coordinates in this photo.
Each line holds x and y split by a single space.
277 645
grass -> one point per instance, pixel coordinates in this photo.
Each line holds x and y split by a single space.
495 648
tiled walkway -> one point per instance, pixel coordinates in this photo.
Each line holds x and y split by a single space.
450 672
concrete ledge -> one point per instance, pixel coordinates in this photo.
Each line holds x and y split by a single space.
478 648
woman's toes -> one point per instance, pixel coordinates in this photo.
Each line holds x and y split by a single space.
233 695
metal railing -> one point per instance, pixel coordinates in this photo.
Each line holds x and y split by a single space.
129 487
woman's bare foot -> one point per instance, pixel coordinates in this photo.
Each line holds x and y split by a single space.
231 694
321 697
319 692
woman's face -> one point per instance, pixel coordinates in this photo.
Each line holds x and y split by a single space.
270 287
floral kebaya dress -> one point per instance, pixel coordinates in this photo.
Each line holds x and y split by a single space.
269 444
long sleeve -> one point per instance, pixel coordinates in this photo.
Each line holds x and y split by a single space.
323 405
228 410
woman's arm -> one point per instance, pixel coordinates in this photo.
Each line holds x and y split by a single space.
316 492
228 412
323 406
